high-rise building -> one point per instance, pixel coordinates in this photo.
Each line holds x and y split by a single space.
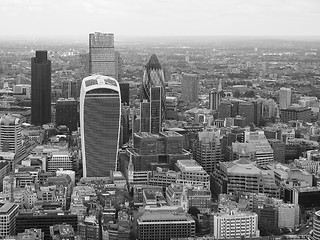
40 89
153 88
118 65
150 112
100 119
215 98
125 93
69 89
284 98
206 150
10 134
101 54
190 88
67 113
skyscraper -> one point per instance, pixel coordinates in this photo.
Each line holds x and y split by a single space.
100 119
40 89
190 88
215 98
284 98
206 149
101 54
67 113
151 112
153 76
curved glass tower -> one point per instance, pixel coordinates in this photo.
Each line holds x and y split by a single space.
100 116
153 90
153 76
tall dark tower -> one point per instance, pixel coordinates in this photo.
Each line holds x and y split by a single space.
40 89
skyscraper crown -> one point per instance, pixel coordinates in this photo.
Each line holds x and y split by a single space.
153 63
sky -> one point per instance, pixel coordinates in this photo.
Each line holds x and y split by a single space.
78 18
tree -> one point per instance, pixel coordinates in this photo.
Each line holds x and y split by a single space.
249 94
237 94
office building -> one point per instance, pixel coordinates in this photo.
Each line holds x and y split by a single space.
44 221
100 119
69 89
243 176
206 150
284 98
171 108
150 112
67 113
101 54
192 173
153 90
235 225
10 134
295 113
190 88
165 223
40 89
279 150
59 160
264 152
8 214
22 91
215 97
125 93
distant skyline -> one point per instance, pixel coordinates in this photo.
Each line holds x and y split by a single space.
78 18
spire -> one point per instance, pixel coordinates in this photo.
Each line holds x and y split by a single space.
220 86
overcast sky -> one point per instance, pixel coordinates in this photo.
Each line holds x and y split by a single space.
46 18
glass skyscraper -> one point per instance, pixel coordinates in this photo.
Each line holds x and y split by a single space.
153 91
102 55
100 119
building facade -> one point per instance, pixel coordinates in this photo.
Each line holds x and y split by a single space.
102 54
284 98
190 88
100 119
67 113
40 89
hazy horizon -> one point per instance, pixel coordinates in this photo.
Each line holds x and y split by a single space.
38 19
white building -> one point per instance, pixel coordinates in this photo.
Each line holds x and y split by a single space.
235 225
8 214
59 160
192 173
10 134
264 151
